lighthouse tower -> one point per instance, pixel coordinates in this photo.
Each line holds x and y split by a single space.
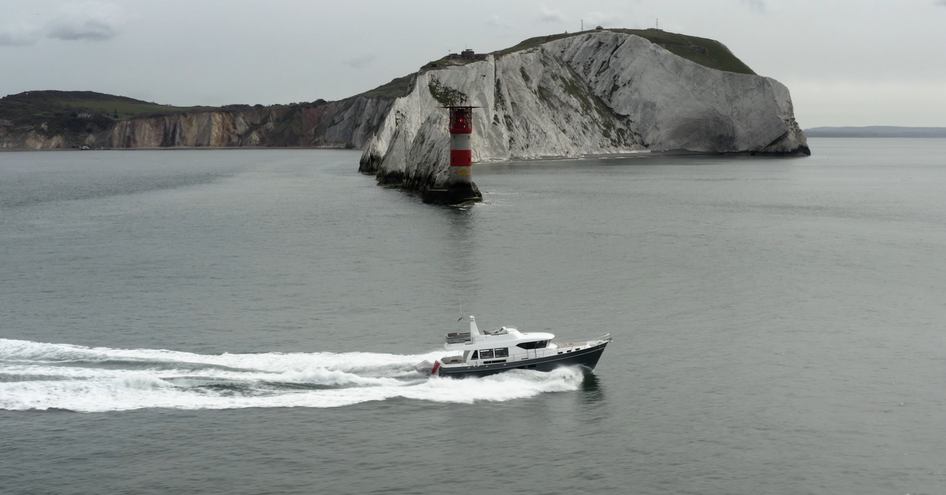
461 155
459 187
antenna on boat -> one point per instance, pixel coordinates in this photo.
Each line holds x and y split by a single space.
474 331
460 302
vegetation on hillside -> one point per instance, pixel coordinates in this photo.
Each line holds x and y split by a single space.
397 87
76 112
444 94
34 106
703 51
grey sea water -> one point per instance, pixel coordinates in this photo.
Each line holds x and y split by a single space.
244 322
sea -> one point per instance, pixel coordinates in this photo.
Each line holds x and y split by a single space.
258 322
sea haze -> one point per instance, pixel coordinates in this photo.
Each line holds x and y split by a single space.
252 321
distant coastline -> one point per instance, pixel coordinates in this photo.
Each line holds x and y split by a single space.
877 131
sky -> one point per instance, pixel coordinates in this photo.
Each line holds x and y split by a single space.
846 62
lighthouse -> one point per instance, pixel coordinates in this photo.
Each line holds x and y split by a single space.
461 155
459 187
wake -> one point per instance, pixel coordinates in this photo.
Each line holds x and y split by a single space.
40 376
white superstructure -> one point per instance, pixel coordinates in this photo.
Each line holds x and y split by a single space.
508 348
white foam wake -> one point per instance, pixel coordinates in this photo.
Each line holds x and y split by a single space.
35 375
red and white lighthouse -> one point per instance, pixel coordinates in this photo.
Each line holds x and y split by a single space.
458 187
461 155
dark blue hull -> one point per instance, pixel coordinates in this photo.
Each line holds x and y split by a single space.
587 358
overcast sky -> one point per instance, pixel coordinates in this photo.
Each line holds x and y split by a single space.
846 62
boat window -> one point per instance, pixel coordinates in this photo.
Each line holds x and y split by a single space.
474 356
486 354
539 344
501 353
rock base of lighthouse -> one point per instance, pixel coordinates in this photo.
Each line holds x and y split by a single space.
452 194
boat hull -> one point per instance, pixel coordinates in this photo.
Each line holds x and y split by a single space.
586 358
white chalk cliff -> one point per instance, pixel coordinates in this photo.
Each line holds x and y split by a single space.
599 92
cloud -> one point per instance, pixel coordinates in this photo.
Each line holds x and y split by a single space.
89 29
941 3
360 62
552 16
89 21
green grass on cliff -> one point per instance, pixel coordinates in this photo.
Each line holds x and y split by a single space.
127 109
36 106
396 88
704 51
76 113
